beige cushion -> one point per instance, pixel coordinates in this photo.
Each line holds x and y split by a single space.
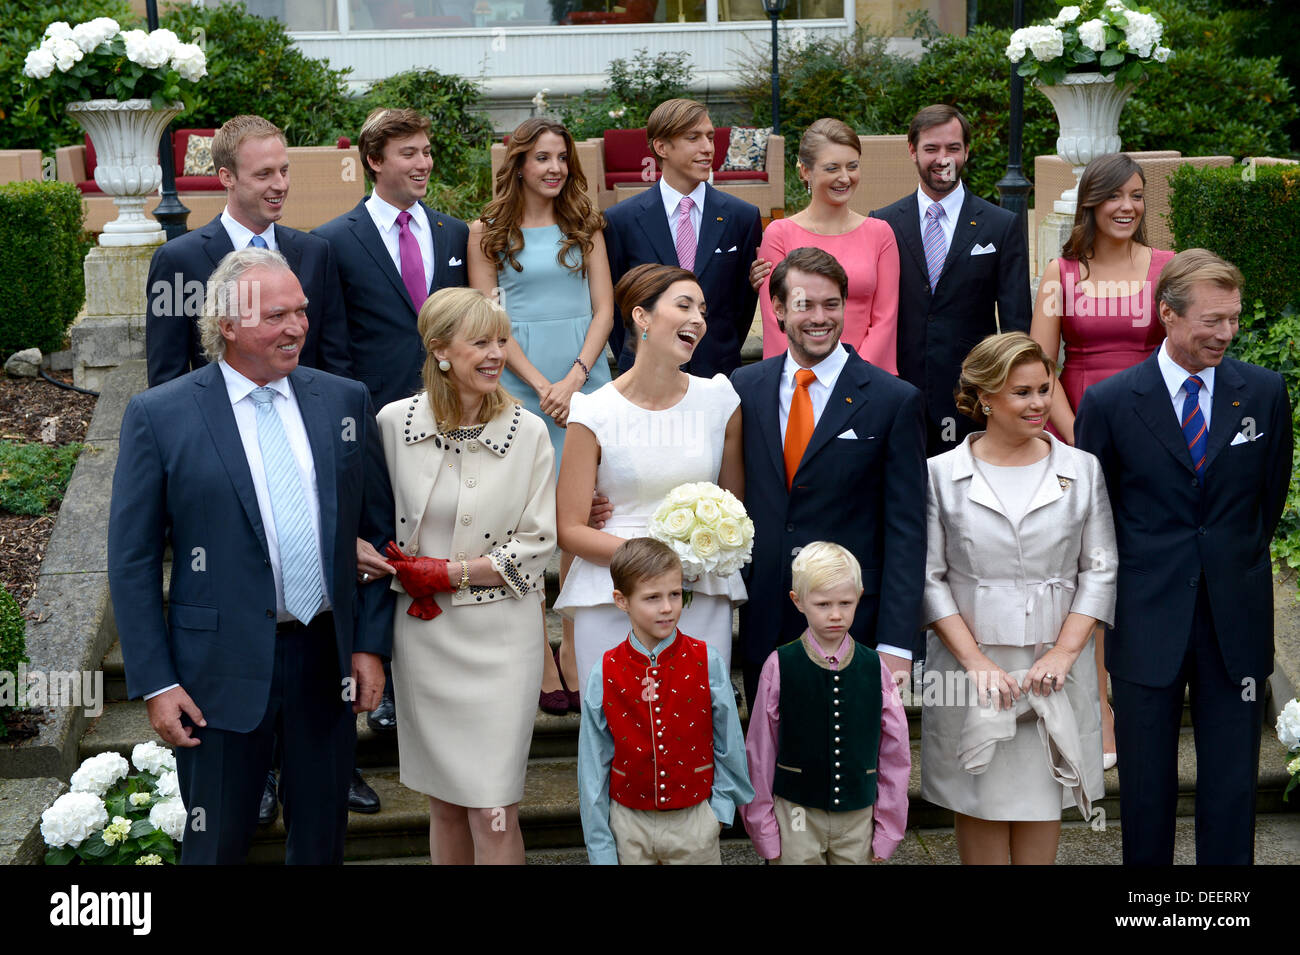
198 157
747 150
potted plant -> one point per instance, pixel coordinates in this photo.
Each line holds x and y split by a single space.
1087 60
123 87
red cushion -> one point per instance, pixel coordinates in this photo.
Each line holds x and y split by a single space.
613 177
737 175
90 160
721 141
624 150
198 184
89 186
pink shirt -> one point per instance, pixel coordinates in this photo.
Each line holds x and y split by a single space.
894 766
869 255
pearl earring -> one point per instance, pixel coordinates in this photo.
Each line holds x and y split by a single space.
986 409
444 365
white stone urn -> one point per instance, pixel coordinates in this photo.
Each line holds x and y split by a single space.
126 134
1088 107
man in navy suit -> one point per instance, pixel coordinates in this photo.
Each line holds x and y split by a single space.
858 481
262 474
959 257
682 220
393 251
1196 448
253 165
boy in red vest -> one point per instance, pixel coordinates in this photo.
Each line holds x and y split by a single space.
828 744
661 757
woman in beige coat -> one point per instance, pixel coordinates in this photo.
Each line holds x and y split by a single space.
1020 568
474 488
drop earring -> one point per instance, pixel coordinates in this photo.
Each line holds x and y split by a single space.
645 335
444 365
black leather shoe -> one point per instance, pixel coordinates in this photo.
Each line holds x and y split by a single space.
361 798
270 805
383 718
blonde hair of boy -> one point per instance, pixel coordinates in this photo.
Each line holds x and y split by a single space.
822 565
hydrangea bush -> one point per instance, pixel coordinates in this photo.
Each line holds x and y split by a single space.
1288 734
100 60
111 817
1105 36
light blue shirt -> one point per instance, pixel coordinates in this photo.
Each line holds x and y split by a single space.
1176 376
731 786
240 235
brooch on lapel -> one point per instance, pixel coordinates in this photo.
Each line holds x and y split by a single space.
719 218
1064 482
848 401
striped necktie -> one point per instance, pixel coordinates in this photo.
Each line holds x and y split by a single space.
933 241
1194 429
685 234
300 568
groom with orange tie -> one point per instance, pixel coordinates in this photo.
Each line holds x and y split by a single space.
834 451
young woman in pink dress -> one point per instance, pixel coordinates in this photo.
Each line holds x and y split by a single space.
1099 297
829 159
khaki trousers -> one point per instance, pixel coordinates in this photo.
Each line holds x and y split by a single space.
817 837
669 837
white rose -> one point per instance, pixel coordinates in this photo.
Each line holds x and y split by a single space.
747 528
1092 34
704 542
189 62
39 64
66 53
1046 43
72 819
168 785
731 505
97 774
169 816
730 534
679 523
152 858
707 511
1288 725
1161 53
57 30
683 495
1067 15
151 758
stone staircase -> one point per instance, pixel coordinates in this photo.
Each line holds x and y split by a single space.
549 811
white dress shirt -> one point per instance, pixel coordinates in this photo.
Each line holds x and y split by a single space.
385 215
828 373
951 212
241 235
672 199
1176 376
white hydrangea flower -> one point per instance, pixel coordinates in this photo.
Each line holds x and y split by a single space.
140 799
90 35
117 830
152 858
169 816
168 785
162 47
1092 34
72 819
1046 43
1142 33
189 62
1288 725
39 64
137 46
1161 53
97 774
1117 5
57 30
1293 767
153 759
1067 15
66 53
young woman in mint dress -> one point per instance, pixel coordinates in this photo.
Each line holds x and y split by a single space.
539 247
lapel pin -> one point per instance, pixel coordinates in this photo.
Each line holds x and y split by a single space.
1064 482
439 225
1236 404
972 222
848 401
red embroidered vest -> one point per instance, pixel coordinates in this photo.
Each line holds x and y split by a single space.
660 713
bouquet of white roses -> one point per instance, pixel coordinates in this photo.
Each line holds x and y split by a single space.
707 527
1105 36
100 60
148 817
1288 734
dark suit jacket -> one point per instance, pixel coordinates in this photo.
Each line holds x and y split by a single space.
730 231
387 353
1170 532
178 275
866 494
937 329
182 471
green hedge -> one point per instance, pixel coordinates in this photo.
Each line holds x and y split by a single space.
13 647
33 476
1251 216
40 264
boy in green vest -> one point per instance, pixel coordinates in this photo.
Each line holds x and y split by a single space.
828 749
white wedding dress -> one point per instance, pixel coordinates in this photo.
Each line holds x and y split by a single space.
644 455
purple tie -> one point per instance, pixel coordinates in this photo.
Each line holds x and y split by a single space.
412 262
935 253
685 234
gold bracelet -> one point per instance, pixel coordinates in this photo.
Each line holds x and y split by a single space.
464 575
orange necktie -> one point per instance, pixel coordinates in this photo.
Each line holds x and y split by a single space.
799 426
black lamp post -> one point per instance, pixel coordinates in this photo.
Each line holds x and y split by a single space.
171 213
774 10
1013 186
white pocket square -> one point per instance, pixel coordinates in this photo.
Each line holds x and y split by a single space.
850 435
453 261
718 251
982 249
1242 439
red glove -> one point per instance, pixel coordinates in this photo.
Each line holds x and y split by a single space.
421 577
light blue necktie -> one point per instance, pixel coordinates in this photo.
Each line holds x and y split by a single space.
300 569
257 243
935 252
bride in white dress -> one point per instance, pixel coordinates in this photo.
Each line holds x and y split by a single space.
634 440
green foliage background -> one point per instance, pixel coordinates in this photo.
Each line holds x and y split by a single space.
40 264
13 643
34 476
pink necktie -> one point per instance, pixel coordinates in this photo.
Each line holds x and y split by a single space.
412 261
685 234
